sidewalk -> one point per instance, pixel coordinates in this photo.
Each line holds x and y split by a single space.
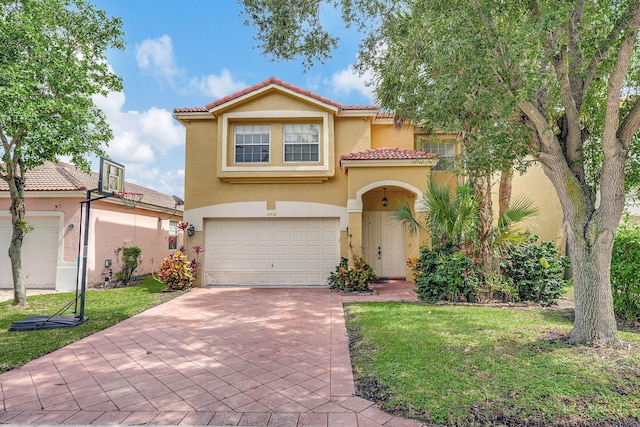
232 356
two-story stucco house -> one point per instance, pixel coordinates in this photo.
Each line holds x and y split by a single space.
281 182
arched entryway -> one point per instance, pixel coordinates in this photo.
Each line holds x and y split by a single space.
385 243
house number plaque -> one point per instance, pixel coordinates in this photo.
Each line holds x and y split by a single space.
271 213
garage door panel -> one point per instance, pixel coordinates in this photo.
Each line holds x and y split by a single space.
298 250
297 278
261 265
314 264
315 277
282 251
280 236
313 236
280 264
329 251
297 264
264 250
39 252
328 265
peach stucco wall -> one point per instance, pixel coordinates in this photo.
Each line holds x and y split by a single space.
535 185
111 226
214 189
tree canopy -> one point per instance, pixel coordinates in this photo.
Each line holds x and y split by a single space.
52 64
563 75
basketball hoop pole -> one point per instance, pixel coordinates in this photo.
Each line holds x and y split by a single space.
110 184
85 250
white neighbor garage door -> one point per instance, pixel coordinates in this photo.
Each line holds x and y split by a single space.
39 252
270 251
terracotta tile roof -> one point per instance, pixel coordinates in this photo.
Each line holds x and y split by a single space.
388 154
65 177
278 82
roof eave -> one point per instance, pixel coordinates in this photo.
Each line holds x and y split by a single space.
184 116
274 86
346 164
358 113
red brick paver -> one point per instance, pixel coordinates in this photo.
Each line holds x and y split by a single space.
225 356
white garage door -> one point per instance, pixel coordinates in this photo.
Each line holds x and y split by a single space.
270 251
39 252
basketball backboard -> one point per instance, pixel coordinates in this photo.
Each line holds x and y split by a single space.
111 179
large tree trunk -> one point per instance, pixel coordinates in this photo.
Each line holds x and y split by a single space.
590 227
595 321
20 227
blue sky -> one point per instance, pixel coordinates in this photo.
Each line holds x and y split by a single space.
187 54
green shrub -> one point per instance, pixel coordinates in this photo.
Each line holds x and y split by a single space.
625 270
536 270
130 260
356 278
444 273
499 287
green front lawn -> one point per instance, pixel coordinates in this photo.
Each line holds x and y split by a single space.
463 365
103 307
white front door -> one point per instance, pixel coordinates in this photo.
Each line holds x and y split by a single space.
383 243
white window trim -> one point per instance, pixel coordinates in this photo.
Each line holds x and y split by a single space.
276 114
252 163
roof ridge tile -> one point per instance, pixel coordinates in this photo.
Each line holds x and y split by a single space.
272 80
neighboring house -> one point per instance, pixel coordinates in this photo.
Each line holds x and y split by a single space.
281 182
50 252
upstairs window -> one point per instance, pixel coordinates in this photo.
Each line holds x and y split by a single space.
446 152
301 143
252 143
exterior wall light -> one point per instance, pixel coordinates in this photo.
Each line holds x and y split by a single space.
191 230
385 201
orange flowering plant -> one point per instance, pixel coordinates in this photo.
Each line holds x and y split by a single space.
175 271
412 263
356 278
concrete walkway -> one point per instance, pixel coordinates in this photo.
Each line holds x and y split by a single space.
228 356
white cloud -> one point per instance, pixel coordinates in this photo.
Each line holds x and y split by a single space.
168 181
348 80
156 56
149 143
216 86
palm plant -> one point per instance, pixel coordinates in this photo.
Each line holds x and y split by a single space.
449 215
507 232
452 216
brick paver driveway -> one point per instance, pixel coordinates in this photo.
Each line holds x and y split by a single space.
228 356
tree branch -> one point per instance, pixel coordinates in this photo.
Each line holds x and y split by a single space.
616 81
630 125
591 71
575 54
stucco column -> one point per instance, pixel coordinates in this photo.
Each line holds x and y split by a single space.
355 235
